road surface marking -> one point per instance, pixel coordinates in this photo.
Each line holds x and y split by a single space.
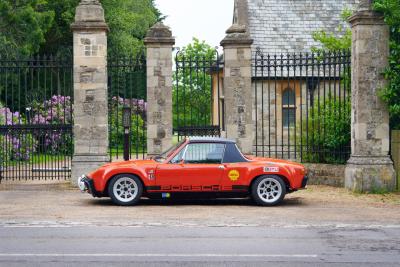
54 224
157 255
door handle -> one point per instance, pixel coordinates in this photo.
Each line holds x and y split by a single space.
221 167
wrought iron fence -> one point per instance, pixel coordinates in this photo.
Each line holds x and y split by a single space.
35 117
302 106
127 89
198 95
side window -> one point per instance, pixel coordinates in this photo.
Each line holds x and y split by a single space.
204 153
288 107
178 156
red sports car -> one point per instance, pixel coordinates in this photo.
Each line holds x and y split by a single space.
212 167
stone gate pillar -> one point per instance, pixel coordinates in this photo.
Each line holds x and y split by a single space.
90 89
159 42
237 87
370 167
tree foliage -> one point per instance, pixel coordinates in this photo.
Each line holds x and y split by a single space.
335 41
129 21
192 84
23 25
31 26
391 93
330 121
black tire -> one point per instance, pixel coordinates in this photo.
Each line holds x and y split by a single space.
266 201
130 199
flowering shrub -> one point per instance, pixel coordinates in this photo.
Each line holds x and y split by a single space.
15 145
5 151
138 118
57 110
20 145
137 105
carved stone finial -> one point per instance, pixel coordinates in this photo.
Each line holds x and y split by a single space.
159 33
159 30
89 15
365 5
236 28
237 34
241 13
366 15
89 2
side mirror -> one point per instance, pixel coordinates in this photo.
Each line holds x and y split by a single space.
182 162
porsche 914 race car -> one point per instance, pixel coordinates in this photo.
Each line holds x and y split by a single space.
211 167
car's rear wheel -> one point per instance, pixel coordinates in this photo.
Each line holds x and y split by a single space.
268 190
125 189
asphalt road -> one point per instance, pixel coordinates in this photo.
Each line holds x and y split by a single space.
91 245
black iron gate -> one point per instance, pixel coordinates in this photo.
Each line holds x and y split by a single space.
127 93
198 95
35 118
302 106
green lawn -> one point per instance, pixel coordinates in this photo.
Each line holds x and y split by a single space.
39 159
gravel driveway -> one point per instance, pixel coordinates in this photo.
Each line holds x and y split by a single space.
317 206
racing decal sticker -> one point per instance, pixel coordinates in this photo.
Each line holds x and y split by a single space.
151 174
233 175
271 169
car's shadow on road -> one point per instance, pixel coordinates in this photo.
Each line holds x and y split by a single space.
293 201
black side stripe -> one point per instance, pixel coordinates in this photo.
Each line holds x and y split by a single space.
240 187
234 187
153 187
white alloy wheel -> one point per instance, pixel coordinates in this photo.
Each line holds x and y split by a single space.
269 190
125 189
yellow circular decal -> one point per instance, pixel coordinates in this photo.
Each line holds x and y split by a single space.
233 175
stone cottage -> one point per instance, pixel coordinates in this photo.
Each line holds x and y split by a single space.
286 80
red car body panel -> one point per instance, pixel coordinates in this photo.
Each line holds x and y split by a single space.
163 177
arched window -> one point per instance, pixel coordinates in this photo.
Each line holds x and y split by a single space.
288 107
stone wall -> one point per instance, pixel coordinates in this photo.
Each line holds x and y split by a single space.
325 174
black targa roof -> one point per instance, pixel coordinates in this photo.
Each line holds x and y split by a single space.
232 153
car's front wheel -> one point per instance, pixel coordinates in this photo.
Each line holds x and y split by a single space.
125 189
268 190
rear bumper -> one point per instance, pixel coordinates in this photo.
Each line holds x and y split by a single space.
86 185
304 182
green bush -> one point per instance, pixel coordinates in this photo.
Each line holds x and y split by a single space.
137 132
327 132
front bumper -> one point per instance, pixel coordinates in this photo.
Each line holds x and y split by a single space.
304 181
86 185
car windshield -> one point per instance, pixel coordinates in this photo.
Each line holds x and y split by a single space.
163 156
